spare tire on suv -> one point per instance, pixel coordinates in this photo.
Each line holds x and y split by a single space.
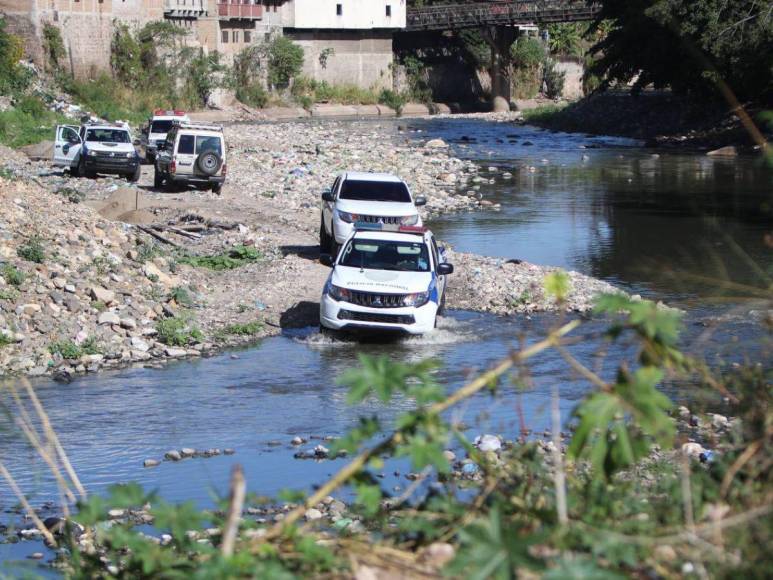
209 162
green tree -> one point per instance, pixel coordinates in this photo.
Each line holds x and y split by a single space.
688 45
285 61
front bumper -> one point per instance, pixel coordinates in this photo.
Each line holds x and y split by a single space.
111 164
345 316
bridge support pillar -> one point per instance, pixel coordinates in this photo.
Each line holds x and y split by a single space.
500 39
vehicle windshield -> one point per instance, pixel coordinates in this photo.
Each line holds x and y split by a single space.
160 126
108 135
375 191
386 255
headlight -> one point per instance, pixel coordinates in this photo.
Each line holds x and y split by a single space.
347 217
337 293
417 299
409 220
129 155
92 153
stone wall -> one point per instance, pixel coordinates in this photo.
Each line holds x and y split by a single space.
573 80
361 58
86 27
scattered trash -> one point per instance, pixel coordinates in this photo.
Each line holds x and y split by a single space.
487 443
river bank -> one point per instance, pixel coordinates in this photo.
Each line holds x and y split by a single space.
106 293
661 119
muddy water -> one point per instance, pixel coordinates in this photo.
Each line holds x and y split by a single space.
605 207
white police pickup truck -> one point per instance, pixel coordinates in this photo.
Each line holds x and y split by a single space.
388 278
96 148
371 198
158 127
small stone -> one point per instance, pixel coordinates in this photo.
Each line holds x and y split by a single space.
435 144
172 352
298 441
312 514
128 323
692 449
449 455
150 463
116 513
438 554
101 294
488 443
229 451
110 318
173 455
187 452
719 421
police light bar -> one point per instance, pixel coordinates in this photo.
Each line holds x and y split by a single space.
169 113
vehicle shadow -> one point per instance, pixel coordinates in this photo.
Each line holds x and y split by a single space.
306 252
300 315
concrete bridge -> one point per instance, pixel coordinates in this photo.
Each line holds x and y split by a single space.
498 21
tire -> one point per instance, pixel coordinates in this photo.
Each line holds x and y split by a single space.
134 177
217 188
209 162
158 179
81 171
441 309
324 239
334 249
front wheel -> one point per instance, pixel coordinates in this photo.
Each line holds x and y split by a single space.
134 177
217 188
324 238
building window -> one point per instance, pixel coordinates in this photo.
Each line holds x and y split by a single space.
339 9
236 36
247 36
224 36
389 11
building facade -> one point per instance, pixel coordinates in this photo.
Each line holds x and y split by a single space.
345 41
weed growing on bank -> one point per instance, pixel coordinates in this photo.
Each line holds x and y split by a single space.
12 275
69 350
32 250
245 329
178 331
233 258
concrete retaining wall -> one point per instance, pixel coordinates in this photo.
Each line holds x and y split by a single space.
361 58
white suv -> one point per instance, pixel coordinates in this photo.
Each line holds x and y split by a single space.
193 154
96 148
389 278
376 198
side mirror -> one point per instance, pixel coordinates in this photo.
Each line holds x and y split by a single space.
327 260
444 269
420 201
327 195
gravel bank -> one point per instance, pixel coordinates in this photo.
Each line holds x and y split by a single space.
105 291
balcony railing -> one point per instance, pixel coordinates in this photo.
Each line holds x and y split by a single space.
233 10
185 7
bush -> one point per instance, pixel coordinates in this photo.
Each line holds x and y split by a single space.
246 329
14 78
392 100
53 47
285 61
32 251
177 332
69 350
13 276
553 78
20 127
253 95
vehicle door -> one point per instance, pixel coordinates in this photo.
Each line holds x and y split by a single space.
329 206
67 144
185 155
164 153
437 258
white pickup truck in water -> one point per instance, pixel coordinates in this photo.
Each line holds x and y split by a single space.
386 278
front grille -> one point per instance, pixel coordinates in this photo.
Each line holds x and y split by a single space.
374 300
376 219
111 155
376 317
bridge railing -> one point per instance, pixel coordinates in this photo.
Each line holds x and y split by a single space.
450 16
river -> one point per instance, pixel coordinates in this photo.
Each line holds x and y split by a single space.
668 225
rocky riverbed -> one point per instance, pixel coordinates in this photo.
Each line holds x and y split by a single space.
101 273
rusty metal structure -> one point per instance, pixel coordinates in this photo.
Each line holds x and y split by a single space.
499 13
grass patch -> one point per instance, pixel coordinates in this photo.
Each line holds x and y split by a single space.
32 251
114 101
69 350
28 122
542 114
246 329
13 275
234 258
178 331
182 296
8 294
309 91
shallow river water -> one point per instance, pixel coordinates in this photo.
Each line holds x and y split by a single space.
668 226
